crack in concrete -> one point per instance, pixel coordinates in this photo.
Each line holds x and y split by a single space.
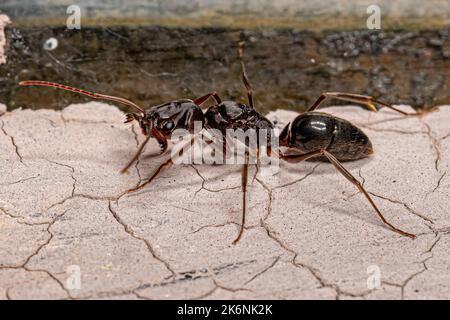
109 294
270 190
270 266
297 180
434 144
196 274
13 141
218 286
270 233
20 181
311 270
220 225
63 119
316 274
403 285
73 195
191 275
439 182
267 188
445 137
81 195
149 247
136 165
204 182
407 207
183 208
89 121
20 219
72 169
24 265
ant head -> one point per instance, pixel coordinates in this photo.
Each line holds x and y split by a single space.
151 122
160 121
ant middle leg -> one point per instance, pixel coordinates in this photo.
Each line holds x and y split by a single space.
357 98
244 178
247 85
199 101
349 177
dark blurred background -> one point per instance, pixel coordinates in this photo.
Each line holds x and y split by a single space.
154 51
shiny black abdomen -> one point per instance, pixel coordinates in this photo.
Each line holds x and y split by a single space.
314 130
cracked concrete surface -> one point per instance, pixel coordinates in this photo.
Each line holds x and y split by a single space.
309 233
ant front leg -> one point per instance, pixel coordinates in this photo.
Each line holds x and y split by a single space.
349 176
164 164
136 156
357 98
162 143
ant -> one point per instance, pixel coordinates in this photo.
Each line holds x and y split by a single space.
311 134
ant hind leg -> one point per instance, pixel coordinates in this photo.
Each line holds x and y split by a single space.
349 177
357 98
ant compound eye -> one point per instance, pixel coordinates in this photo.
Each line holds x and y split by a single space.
168 125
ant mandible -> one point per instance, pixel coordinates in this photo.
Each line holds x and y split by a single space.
310 134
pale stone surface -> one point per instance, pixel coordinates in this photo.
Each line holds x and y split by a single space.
310 234
4 20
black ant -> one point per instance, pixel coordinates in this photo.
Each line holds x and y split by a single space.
311 134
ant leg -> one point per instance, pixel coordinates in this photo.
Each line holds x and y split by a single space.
136 156
244 195
165 163
256 166
350 177
202 99
153 176
162 144
357 98
296 158
353 180
248 87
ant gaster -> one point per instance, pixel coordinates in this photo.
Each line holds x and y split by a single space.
310 135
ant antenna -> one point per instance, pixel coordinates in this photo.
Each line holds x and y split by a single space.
248 87
87 93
